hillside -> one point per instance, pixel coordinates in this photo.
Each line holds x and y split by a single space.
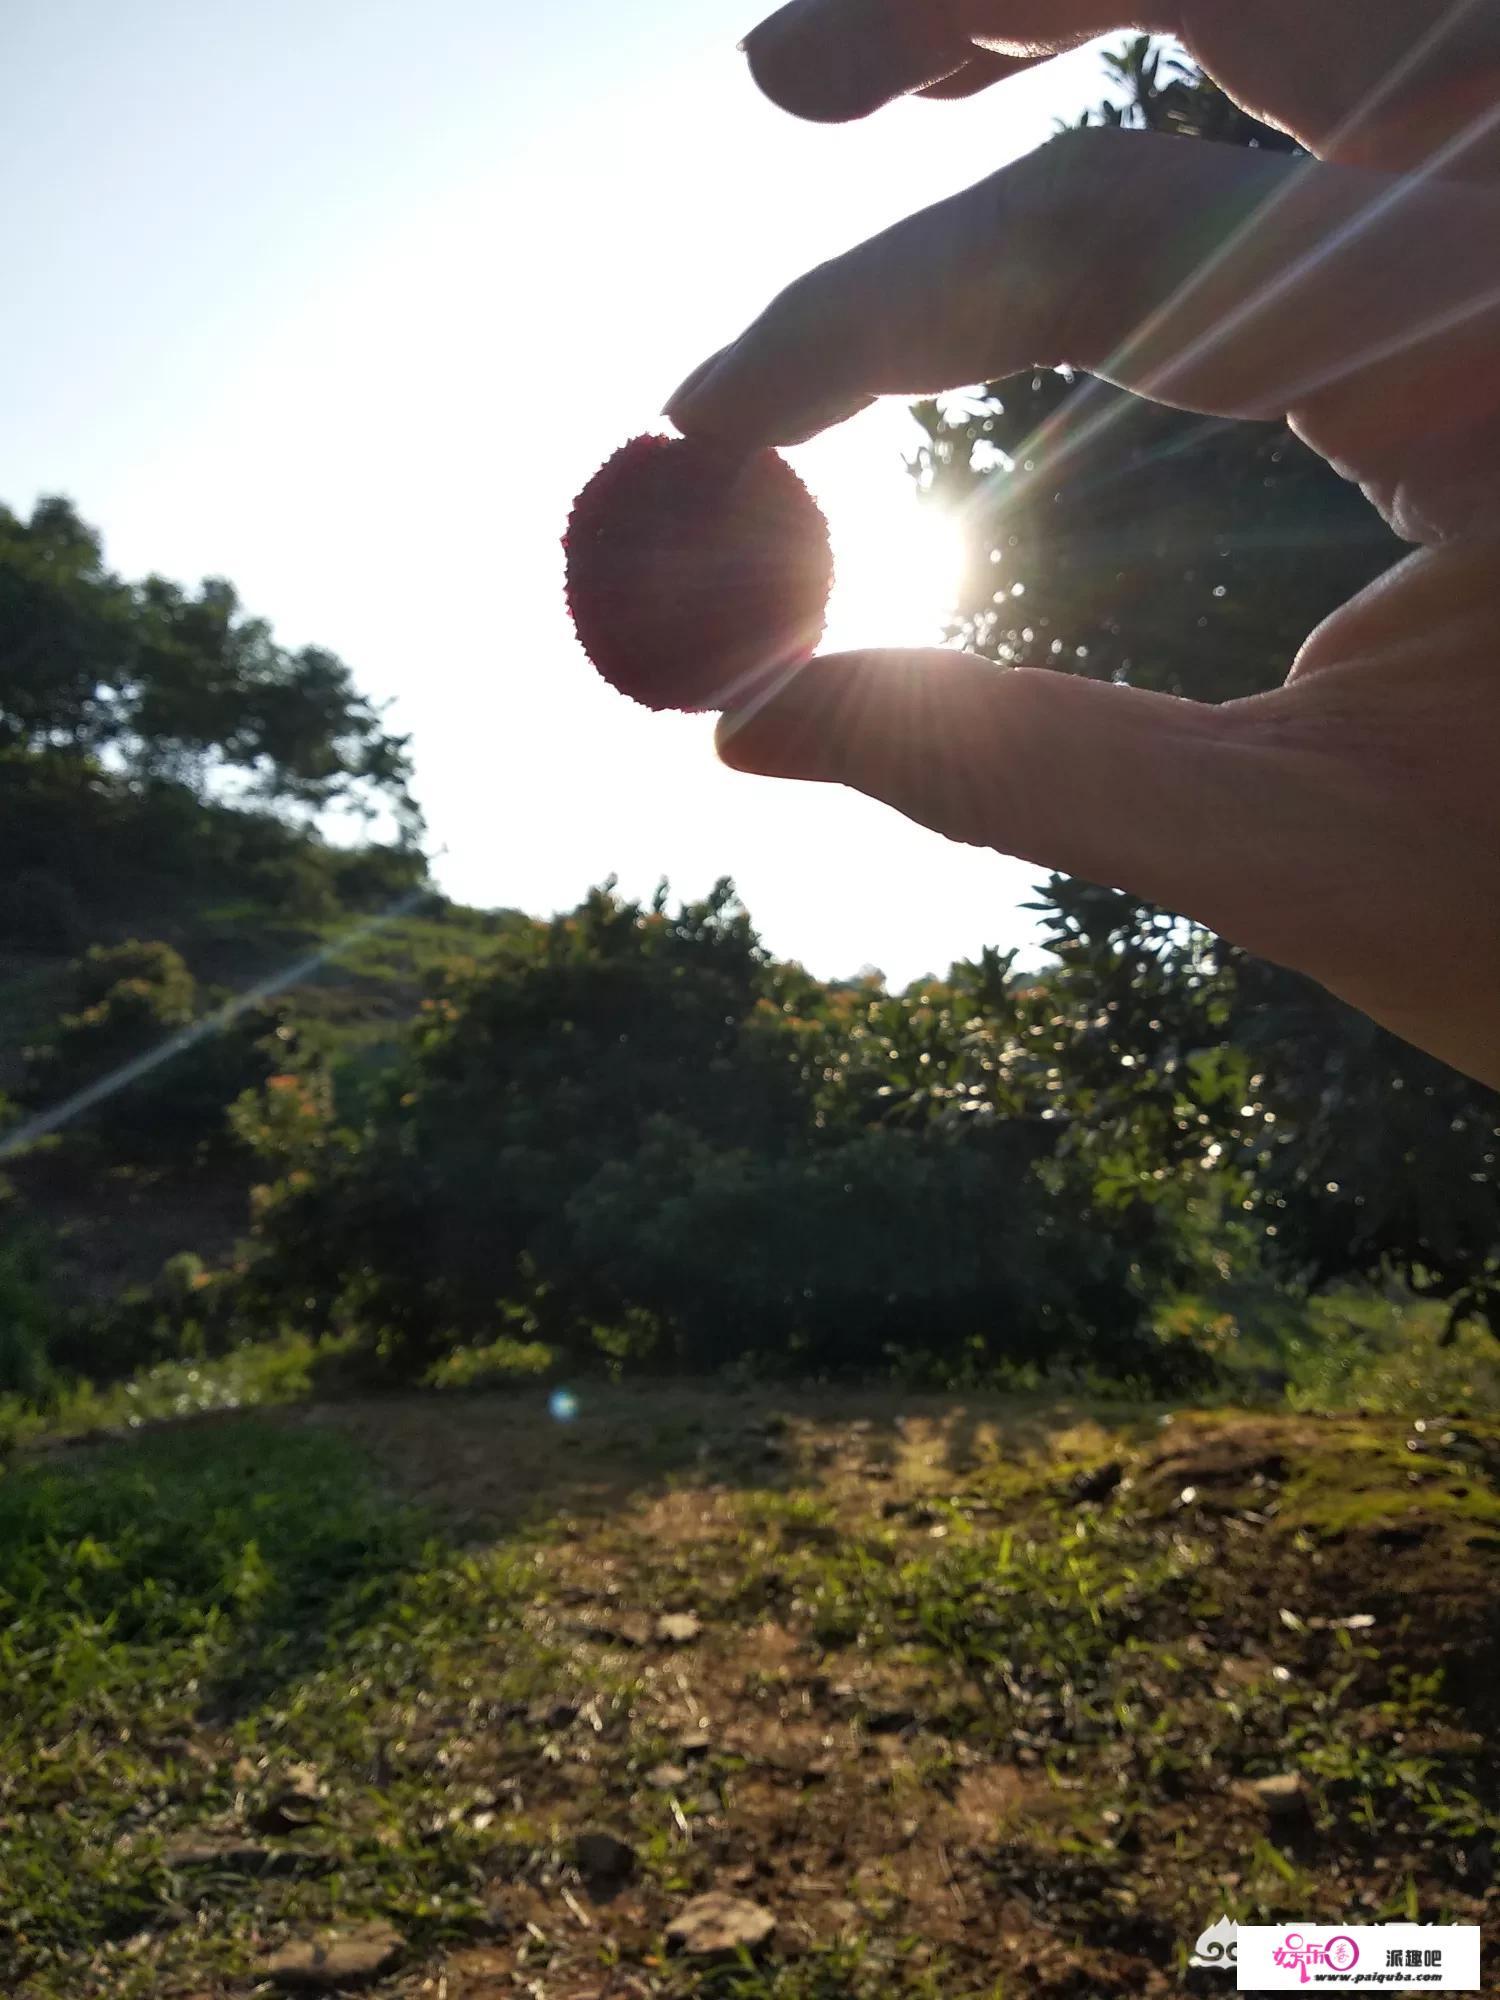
342 942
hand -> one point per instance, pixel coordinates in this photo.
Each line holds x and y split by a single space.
1347 824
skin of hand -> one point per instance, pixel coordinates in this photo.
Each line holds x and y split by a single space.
1347 824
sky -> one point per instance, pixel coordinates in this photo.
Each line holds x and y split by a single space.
345 299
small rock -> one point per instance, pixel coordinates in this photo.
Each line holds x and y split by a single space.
240 1857
667 1777
334 1960
602 1858
718 1925
296 1801
890 1721
492 1920
1281 1795
678 1628
1096 1485
624 1628
694 1743
813 1534
230 1854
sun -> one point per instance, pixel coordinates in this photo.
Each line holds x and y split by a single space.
898 564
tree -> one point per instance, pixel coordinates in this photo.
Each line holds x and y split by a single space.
165 683
132 1003
1117 539
632 1119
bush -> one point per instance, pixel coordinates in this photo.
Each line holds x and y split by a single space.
184 1314
153 1083
154 972
636 1132
76 836
948 1245
25 1318
40 911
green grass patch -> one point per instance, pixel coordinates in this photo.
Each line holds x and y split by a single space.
179 1620
256 1375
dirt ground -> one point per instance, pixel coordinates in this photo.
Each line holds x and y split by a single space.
894 1719
953 1699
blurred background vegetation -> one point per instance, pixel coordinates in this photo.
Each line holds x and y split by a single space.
271 1109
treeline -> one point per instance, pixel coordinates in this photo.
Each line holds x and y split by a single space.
631 1133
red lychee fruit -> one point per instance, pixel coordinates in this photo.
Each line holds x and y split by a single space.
696 573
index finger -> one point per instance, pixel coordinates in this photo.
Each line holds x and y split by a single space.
1217 278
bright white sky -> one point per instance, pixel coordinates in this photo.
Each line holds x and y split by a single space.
344 300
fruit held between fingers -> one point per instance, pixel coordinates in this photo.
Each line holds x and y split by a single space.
696 573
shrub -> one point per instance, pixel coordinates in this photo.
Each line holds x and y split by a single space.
25 1318
40 911
152 1081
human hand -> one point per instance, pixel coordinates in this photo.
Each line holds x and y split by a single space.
1347 824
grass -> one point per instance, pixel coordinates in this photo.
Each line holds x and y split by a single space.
1389 1357
249 1377
187 1618
961 1734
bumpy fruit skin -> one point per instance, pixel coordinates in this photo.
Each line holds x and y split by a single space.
696 574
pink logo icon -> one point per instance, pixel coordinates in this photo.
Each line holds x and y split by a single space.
1339 1954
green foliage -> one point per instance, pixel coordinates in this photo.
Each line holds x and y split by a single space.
841 1256
89 849
174 685
185 1541
257 1372
1363 1156
150 1077
1163 93
40 911
1387 1356
631 1120
151 971
25 1316
253 1582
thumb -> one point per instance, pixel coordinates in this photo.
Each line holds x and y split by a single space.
1172 800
